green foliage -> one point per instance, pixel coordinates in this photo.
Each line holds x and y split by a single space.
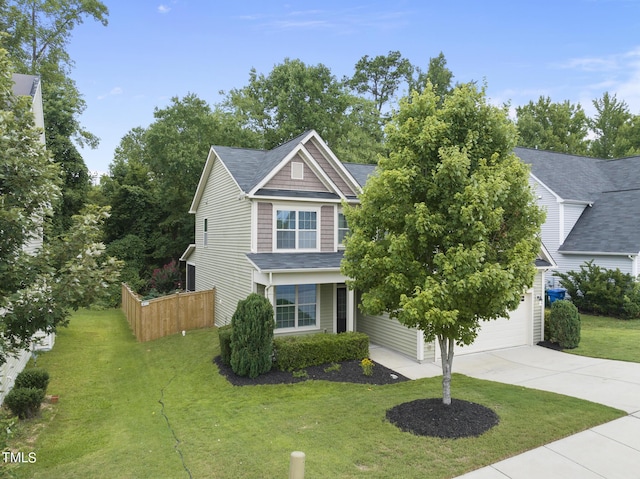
564 324
611 115
224 336
24 402
437 74
252 337
167 278
296 352
602 291
32 378
545 125
295 97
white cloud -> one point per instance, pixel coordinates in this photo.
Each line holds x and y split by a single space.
164 9
113 92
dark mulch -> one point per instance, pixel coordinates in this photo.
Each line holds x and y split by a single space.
550 345
430 417
349 372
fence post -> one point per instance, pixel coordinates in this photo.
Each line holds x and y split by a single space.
296 465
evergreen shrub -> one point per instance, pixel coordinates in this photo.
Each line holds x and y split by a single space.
297 352
24 402
252 336
564 324
33 378
224 335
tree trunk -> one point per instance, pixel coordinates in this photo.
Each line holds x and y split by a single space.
446 349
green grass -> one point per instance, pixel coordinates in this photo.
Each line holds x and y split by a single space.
109 421
609 338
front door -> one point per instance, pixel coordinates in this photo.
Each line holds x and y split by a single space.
341 309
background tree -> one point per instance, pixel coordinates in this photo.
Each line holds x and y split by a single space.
447 232
437 74
38 289
39 34
607 125
380 77
546 125
295 97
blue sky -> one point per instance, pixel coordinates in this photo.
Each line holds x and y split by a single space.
153 50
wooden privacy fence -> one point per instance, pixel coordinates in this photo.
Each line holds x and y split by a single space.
159 317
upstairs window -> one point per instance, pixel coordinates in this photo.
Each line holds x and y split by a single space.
343 228
205 232
296 229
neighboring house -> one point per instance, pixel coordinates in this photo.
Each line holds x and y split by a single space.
27 85
270 222
593 209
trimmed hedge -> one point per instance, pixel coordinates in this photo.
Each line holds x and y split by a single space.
24 402
33 378
297 352
224 334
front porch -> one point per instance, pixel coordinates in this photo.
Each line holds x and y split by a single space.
307 290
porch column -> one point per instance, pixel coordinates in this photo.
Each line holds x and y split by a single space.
351 309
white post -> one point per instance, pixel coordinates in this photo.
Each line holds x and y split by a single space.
296 465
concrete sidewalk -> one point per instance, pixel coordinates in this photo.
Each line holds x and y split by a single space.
608 451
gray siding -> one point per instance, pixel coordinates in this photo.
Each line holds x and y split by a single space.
571 215
282 180
327 233
572 262
265 227
222 263
328 169
389 333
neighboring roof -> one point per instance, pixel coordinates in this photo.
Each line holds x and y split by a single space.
544 260
610 226
188 252
271 262
360 172
24 85
612 189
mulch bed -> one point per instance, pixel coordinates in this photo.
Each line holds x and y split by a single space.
550 345
349 372
423 417
430 417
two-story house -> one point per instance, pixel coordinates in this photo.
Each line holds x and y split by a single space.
592 205
270 222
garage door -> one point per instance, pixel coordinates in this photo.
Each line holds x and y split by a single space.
503 333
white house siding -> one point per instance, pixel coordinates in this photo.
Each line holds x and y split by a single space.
9 371
572 213
222 262
551 227
572 262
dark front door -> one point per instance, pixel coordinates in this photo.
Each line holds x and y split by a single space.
341 309
191 277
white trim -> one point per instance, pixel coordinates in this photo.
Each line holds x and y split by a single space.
420 345
297 170
337 164
599 253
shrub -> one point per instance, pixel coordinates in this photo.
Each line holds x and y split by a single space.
297 352
167 278
224 335
603 291
564 324
24 402
33 378
252 337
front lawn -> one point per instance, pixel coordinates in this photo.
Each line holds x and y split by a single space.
161 409
609 338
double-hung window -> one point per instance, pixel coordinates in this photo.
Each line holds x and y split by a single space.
343 228
296 229
296 306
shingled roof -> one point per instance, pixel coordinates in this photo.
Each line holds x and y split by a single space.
611 188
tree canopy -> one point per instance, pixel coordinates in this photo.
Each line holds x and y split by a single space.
39 281
447 230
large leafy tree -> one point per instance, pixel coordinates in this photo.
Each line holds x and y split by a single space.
546 125
447 230
295 97
437 74
39 287
39 34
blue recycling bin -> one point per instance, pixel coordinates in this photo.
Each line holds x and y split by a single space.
555 294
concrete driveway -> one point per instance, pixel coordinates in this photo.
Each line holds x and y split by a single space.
609 451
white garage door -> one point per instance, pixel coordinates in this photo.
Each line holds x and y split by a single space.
503 333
